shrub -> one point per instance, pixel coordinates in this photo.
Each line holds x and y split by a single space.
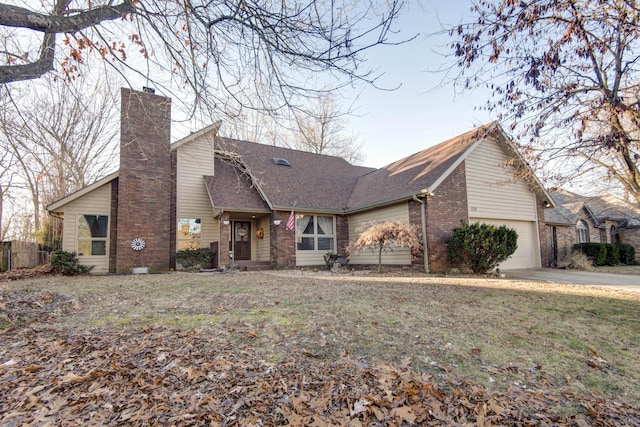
613 254
596 252
195 258
67 264
330 259
579 261
627 253
481 247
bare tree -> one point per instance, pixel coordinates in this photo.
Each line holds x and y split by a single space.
325 131
255 54
60 141
564 79
384 236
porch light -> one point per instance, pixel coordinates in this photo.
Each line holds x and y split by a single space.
277 221
225 222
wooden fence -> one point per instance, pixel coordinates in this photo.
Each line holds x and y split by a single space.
16 254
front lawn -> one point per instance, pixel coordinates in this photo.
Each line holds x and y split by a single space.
310 349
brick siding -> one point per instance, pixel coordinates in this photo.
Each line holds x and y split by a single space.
545 249
113 227
283 245
144 187
446 210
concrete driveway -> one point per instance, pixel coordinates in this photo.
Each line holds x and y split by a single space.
620 281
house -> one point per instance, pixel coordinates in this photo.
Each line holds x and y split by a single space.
581 219
205 190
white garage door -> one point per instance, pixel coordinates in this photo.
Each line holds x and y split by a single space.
528 253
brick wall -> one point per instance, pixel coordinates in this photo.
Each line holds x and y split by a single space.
631 236
113 227
144 187
446 210
342 234
546 254
225 238
415 219
283 247
565 239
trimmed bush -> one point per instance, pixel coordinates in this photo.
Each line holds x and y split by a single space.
596 252
627 253
195 258
481 247
67 264
613 254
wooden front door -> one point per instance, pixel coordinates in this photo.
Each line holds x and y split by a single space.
242 240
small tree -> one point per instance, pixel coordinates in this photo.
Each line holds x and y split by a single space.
386 235
481 247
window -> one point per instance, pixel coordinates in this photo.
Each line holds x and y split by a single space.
615 235
280 161
189 233
583 231
92 234
315 232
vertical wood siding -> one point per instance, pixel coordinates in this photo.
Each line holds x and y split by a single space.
194 161
399 256
97 202
492 189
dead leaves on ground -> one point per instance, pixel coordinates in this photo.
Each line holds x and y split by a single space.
19 307
173 377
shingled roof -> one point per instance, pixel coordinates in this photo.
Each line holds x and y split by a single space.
316 182
601 208
312 182
423 170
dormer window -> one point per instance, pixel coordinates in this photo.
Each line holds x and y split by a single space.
280 161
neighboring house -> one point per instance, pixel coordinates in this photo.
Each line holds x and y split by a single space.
582 219
238 196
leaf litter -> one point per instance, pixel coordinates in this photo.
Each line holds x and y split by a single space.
159 375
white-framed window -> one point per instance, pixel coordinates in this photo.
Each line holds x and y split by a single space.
582 230
189 233
92 235
315 233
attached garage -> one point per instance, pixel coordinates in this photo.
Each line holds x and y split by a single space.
528 253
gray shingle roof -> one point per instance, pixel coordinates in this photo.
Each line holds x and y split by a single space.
602 208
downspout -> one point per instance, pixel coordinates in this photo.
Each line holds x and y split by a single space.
219 235
425 254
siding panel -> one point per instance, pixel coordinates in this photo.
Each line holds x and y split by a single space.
399 256
492 189
97 202
194 161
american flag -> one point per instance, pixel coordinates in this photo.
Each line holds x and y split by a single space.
291 222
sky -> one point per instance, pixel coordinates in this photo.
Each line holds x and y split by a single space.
395 124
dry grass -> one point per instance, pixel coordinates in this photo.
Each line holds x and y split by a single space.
490 331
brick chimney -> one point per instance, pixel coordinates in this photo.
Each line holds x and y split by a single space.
144 183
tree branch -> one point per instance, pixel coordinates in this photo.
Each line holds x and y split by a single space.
20 17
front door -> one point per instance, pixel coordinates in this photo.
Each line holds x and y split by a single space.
242 240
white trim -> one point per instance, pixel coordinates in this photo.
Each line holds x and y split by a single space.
211 128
